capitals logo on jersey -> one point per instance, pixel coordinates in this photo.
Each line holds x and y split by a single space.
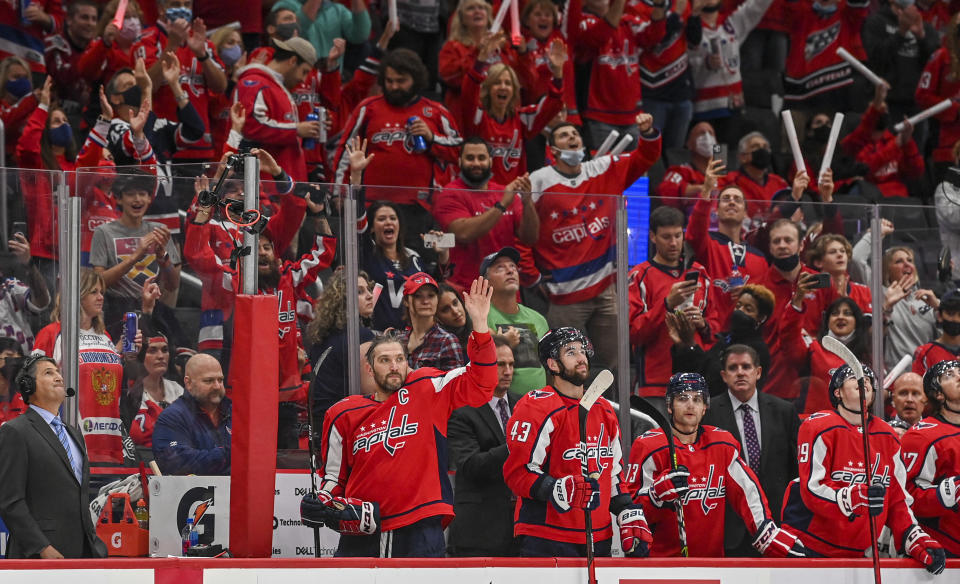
853 473
820 40
385 433
600 451
702 489
596 229
508 152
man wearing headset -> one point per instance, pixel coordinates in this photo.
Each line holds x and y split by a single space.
43 462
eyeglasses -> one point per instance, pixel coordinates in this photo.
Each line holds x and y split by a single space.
728 198
683 398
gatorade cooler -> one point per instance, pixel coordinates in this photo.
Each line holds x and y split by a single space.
123 538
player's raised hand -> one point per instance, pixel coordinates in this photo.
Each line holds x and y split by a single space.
477 303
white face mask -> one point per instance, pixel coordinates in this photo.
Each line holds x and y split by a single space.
704 145
571 157
131 28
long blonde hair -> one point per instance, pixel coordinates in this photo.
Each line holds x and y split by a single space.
89 280
458 30
493 75
330 309
5 66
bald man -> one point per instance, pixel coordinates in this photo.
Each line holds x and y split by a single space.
908 398
192 435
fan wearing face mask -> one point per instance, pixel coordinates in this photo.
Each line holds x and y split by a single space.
755 175
892 158
17 100
947 345
816 76
681 184
112 49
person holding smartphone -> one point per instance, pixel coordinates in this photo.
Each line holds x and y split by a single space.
25 292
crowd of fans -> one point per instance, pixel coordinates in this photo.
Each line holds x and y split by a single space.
441 126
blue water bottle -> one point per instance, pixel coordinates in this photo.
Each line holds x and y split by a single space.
130 325
419 142
314 116
185 536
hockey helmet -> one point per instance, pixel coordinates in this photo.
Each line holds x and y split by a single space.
843 373
931 379
555 339
681 382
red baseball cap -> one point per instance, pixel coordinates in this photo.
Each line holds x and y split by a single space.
417 281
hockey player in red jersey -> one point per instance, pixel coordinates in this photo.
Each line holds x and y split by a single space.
544 470
385 485
930 451
830 503
710 475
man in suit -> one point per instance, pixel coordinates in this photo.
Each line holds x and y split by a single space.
768 438
478 447
46 476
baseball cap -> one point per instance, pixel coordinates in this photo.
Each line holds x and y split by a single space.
507 252
299 46
950 301
417 281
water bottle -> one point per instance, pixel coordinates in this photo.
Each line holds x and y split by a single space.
185 536
314 116
194 537
142 515
419 142
130 325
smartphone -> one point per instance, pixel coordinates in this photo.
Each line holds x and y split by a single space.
692 276
821 281
445 241
19 227
720 153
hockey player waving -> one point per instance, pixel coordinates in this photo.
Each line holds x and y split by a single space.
709 474
385 485
930 451
830 504
544 469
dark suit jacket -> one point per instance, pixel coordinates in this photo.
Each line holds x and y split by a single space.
481 500
40 499
778 458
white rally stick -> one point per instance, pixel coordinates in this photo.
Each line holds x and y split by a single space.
899 368
621 145
501 14
792 138
831 145
607 143
927 113
393 19
860 67
516 39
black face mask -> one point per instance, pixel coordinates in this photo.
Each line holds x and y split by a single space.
761 158
132 96
708 8
820 134
286 30
883 121
788 263
742 324
950 328
398 97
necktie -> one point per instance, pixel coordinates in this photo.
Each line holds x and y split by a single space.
750 438
62 435
502 409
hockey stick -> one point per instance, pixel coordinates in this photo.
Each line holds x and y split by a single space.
645 407
840 350
313 450
601 382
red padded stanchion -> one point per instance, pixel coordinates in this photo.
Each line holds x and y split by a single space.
254 444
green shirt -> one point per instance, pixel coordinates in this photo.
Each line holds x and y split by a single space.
527 373
334 20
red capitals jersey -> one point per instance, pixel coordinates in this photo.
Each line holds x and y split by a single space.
648 289
543 438
830 453
666 61
757 195
271 118
889 164
369 448
929 354
63 65
319 90
577 227
384 126
718 476
931 453
800 351
508 137
813 66
294 277
722 258
937 84
24 39
150 48
672 190
537 52
614 94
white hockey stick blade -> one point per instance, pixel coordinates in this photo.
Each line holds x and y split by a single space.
840 350
601 382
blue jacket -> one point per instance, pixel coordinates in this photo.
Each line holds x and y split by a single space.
186 442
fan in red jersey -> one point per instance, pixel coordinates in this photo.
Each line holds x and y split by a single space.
545 467
931 454
831 502
385 486
709 476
